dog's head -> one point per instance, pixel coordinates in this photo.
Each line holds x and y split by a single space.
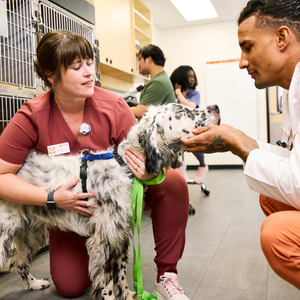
160 130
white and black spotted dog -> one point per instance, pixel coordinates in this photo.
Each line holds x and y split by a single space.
157 136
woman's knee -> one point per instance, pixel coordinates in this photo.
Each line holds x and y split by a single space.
177 183
70 287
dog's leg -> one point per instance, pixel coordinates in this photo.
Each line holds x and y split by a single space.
101 267
28 241
7 249
124 293
107 267
10 221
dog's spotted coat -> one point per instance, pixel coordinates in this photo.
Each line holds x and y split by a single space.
157 136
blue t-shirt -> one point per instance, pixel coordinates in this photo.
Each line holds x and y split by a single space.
193 96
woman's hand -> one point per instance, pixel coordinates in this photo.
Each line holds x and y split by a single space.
213 138
136 164
177 88
66 199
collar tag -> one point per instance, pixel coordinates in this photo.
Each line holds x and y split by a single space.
58 149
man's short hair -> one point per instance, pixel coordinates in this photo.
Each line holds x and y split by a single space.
272 14
155 53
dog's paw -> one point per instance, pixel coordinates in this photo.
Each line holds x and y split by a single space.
134 296
38 284
131 295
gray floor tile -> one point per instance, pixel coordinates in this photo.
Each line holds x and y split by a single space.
248 216
242 236
203 244
228 294
233 268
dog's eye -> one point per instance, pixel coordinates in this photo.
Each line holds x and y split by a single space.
179 111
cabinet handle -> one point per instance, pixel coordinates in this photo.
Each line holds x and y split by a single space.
106 59
131 70
110 61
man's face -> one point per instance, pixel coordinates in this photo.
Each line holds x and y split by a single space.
260 54
143 65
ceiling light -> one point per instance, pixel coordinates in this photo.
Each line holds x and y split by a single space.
193 10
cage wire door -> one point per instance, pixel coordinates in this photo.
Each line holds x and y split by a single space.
17 50
9 105
28 21
54 17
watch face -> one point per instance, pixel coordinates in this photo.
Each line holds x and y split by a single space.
51 205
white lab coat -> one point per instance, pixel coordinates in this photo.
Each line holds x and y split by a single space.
275 171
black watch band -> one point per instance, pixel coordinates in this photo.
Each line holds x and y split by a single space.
50 201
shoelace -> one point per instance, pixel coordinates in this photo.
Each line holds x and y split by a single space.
171 285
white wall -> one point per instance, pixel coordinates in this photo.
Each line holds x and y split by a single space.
196 45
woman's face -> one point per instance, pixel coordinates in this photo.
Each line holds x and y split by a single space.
191 77
77 81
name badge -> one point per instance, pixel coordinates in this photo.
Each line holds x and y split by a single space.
58 149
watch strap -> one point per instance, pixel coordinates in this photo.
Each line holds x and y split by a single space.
50 201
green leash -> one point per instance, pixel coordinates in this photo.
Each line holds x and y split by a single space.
137 206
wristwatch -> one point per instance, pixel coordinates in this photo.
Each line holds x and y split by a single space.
50 201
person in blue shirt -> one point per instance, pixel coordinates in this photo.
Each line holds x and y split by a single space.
184 82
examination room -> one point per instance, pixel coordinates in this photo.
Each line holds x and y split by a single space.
148 149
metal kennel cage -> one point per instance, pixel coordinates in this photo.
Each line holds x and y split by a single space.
8 107
54 17
17 50
27 22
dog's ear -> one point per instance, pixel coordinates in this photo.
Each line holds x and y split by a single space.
154 160
150 136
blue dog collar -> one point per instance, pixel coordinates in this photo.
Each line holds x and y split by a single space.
103 156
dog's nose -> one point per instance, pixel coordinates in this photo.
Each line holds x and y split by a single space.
214 107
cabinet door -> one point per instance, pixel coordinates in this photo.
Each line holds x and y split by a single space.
114 31
127 36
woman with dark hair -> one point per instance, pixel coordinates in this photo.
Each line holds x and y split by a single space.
185 81
75 113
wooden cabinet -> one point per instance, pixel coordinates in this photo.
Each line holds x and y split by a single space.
118 24
142 24
114 33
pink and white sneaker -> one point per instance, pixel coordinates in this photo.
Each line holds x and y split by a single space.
182 170
200 175
169 288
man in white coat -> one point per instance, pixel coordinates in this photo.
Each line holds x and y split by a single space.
269 37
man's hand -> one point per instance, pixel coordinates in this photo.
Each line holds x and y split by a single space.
221 138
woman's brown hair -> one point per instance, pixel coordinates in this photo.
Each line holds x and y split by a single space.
60 48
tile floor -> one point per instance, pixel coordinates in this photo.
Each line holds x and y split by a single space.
222 259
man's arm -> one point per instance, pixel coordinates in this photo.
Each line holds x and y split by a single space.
139 110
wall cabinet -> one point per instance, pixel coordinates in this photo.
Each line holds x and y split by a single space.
142 23
118 24
114 33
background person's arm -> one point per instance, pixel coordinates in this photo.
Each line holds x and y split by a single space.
139 110
182 100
